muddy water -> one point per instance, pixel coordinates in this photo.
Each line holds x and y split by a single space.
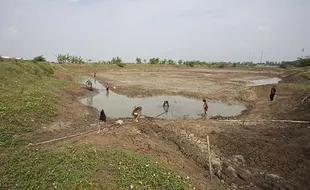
259 82
116 105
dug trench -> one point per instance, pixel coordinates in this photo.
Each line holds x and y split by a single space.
252 155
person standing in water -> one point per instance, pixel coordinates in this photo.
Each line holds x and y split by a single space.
273 93
205 106
107 86
166 106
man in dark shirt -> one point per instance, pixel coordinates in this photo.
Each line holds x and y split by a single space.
272 93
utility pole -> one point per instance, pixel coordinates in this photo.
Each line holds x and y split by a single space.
261 57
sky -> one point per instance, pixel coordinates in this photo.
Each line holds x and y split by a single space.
205 30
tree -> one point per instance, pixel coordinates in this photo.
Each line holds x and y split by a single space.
61 58
180 62
39 59
171 62
163 62
138 60
116 60
154 61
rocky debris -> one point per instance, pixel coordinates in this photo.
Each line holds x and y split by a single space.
233 186
217 167
243 174
238 158
119 123
94 125
231 172
272 177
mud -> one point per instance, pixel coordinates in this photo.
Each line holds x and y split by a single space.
251 155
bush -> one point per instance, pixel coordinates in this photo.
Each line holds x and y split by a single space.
120 64
39 59
191 64
283 65
221 65
117 61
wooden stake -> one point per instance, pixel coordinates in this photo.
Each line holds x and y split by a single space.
209 153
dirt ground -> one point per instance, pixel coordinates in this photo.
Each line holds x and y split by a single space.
254 154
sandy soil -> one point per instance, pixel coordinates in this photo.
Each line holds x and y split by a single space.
245 155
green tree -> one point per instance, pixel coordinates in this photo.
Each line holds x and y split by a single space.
154 61
61 58
138 60
163 62
39 59
171 62
116 60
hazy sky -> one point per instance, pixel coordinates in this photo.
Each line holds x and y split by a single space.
209 30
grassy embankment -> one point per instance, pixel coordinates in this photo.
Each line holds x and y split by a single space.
28 99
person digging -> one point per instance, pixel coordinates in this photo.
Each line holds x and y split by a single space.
136 113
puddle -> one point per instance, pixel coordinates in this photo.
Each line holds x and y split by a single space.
116 105
259 82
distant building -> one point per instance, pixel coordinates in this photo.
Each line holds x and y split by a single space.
7 57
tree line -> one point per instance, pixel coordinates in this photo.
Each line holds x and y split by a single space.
66 59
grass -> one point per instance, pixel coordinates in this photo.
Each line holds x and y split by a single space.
85 167
26 99
304 83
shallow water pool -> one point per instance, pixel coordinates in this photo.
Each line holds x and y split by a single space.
116 105
259 82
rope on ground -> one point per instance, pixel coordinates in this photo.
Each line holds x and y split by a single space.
155 116
160 114
67 137
62 138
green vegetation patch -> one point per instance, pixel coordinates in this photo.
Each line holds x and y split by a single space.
85 167
27 98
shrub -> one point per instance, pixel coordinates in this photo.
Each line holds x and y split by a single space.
39 59
283 65
120 64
